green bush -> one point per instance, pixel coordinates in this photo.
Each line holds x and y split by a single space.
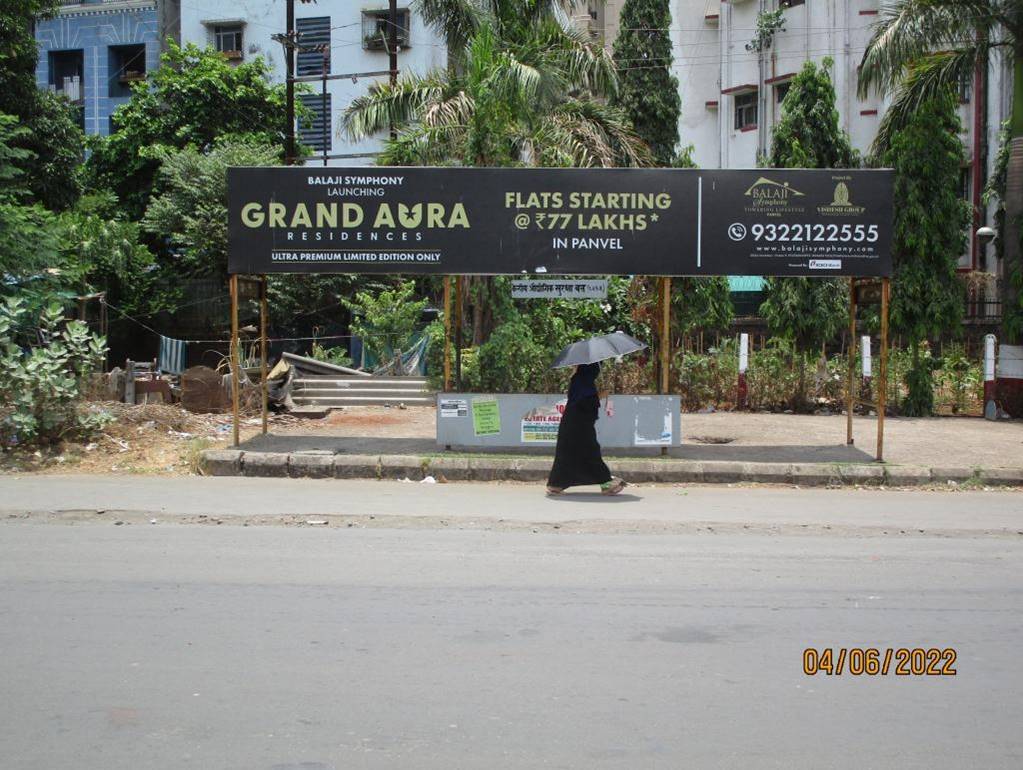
42 372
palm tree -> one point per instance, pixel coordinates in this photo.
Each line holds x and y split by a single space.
523 87
921 48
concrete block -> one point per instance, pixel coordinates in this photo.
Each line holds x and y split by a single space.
265 464
530 469
311 466
450 468
356 467
221 462
767 473
401 467
637 471
679 471
1004 477
815 474
906 476
490 468
943 475
872 475
723 472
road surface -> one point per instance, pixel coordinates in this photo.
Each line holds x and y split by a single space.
180 645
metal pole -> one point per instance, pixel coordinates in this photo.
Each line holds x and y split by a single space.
850 401
323 102
665 340
289 58
447 333
457 320
235 360
392 49
263 351
882 386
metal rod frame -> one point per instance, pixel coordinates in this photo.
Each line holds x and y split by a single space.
234 363
851 397
263 353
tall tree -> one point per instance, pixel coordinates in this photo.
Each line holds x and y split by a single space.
648 91
920 49
808 311
930 235
53 138
194 98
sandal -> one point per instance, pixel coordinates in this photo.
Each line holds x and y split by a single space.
554 491
612 487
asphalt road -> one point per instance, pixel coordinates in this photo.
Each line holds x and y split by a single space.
284 648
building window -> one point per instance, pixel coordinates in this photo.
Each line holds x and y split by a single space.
126 65
314 130
746 110
314 46
965 87
376 29
227 38
66 73
780 90
791 3
966 184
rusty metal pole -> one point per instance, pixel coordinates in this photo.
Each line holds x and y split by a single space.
263 351
447 333
235 360
665 341
850 400
457 320
882 388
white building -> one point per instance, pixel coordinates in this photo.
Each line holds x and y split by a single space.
731 96
356 34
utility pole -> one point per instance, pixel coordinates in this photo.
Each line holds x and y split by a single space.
392 49
289 56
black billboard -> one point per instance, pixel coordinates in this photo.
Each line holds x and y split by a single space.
560 221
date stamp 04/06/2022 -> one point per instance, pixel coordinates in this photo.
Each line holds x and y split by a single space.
874 661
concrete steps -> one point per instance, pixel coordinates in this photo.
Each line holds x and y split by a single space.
332 391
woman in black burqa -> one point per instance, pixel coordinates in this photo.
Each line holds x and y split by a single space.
577 459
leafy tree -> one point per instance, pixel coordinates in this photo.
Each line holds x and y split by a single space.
53 136
523 87
648 91
388 319
195 98
808 311
191 211
930 235
918 51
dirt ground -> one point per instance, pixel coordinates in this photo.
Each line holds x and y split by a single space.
161 439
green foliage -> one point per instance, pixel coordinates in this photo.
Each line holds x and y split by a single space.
700 303
41 375
809 135
930 234
648 91
336 355
808 311
523 87
709 379
190 212
769 24
195 98
387 320
919 378
1012 310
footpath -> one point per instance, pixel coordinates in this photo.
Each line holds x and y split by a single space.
719 448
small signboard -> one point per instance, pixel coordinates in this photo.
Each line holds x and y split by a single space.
453 407
486 417
559 289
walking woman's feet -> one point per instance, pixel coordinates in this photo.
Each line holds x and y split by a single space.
554 491
612 487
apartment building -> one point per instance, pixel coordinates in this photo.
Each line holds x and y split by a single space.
337 38
93 50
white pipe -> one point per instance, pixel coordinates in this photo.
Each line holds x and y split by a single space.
743 353
989 357
865 347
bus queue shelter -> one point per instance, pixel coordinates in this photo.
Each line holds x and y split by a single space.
532 222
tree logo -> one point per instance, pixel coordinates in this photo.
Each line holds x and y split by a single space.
840 204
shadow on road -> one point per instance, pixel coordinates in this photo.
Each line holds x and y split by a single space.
595 497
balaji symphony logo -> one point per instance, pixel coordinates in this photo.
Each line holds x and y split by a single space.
766 194
841 206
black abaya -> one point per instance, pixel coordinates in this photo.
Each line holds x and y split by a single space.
577 459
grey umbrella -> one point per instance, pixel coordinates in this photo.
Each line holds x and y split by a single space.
597 349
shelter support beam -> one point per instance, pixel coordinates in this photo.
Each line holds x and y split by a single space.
850 394
457 320
234 362
263 353
882 386
447 333
665 352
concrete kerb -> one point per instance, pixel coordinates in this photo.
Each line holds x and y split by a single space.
234 462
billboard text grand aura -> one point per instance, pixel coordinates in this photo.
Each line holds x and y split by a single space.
566 221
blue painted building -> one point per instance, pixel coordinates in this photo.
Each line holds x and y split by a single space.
93 51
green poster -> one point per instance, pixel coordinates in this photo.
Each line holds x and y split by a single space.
486 418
